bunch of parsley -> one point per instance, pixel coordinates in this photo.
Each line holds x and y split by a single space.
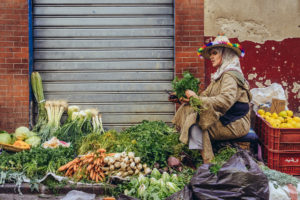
188 82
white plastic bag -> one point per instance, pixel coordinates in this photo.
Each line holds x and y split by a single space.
264 96
281 193
78 195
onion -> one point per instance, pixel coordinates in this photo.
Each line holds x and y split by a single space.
119 174
130 160
145 166
123 166
131 155
112 167
125 174
132 165
130 172
136 171
126 160
123 154
117 164
147 170
117 156
137 160
111 161
106 159
139 166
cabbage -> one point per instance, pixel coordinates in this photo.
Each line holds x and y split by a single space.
31 134
34 141
155 174
5 138
161 183
166 177
22 132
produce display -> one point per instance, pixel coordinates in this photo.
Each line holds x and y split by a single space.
284 119
148 158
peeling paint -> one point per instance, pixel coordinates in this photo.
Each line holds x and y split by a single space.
296 89
283 83
278 53
257 46
298 108
261 78
268 82
254 68
260 85
285 62
252 76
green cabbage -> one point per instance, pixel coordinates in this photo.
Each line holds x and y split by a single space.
22 133
31 134
5 138
155 174
154 181
142 190
34 141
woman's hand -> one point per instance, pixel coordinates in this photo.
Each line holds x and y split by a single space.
190 93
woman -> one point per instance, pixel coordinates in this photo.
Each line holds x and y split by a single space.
225 101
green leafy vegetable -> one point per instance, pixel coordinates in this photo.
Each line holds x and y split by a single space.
34 141
221 158
280 179
188 82
5 138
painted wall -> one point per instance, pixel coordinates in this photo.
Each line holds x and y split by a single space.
14 90
269 31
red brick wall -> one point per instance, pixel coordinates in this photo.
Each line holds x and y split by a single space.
14 86
189 36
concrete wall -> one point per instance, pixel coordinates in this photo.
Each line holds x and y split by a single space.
269 31
14 78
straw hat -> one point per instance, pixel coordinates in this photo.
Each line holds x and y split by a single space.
220 41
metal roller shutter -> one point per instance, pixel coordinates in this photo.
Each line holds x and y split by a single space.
114 55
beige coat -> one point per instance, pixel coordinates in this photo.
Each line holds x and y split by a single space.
219 96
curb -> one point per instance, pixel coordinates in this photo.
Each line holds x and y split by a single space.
25 189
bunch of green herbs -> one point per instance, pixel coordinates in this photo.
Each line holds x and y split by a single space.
221 158
278 178
36 162
188 82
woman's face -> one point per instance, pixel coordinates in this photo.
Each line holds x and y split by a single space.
215 57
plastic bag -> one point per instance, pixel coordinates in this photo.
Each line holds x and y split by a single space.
78 195
263 96
283 193
239 178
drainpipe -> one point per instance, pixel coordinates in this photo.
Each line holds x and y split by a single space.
30 62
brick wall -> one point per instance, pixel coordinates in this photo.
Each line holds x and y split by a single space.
189 36
14 87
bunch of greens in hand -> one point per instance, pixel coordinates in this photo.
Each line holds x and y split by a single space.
188 82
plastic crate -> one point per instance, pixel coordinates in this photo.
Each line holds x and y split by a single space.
286 162
280 139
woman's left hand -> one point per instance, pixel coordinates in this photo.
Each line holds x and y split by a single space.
190 93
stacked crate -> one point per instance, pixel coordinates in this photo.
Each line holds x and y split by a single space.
281 146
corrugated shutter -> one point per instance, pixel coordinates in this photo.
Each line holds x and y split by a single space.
114 55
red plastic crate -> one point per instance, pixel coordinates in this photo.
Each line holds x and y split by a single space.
286 162
280 139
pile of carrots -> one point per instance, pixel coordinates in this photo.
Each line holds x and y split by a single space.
86 167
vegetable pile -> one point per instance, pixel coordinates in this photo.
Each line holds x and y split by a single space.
123 165
157 186
87 167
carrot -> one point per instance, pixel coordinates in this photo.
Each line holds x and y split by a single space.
101 150
62 168
101 174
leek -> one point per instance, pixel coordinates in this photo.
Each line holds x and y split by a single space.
37 88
